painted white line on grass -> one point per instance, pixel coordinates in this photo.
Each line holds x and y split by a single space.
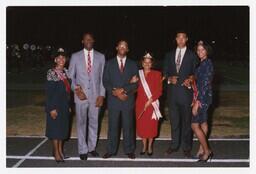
29 153
161 138
136 159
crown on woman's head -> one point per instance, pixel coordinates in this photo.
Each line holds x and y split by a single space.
148 55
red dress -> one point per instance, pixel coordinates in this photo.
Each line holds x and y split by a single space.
147 127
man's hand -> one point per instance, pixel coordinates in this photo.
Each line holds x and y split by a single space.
117 91
123 97
54 114
80 93
148 103
172 80
99 101
187 83
120 93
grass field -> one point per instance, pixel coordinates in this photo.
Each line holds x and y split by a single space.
228 119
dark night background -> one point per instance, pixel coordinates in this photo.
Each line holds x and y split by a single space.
146 28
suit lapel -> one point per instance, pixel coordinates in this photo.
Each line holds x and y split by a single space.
184 60
82 57
126 67
173 54
117 67
95 62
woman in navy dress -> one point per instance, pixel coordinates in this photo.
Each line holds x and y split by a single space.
57 105
202 100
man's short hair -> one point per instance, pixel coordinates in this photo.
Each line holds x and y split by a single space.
121 40
181 31
88 33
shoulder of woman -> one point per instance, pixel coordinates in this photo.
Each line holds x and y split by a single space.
51 75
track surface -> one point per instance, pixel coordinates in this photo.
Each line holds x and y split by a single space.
36 152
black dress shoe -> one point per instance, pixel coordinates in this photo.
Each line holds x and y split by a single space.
94 153
170 151
187 153
107 155
131 155
83 156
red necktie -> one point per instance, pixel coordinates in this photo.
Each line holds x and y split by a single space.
89 63
121 66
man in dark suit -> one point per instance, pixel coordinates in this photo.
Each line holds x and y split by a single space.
116 80
179 66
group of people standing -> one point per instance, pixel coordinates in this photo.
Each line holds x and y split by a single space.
129 89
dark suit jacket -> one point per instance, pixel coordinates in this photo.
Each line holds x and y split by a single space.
178 92
113 78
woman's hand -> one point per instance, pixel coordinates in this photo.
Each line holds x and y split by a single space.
54 114
134 79
148 103
195 107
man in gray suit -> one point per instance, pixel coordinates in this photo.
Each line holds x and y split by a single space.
86 71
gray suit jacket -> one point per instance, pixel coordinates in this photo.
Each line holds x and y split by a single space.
92 85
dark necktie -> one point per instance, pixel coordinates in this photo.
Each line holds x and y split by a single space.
178 62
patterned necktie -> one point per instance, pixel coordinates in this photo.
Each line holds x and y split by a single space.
121 66
89 63
178 61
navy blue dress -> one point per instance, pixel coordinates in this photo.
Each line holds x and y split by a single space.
57 98
204 76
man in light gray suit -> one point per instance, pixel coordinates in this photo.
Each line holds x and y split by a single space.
86 72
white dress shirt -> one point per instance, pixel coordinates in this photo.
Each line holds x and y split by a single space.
119 61
86 56
183 50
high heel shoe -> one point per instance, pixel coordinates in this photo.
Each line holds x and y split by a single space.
142 153
60 161
150 153
210 156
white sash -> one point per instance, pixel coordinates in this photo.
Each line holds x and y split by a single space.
156 113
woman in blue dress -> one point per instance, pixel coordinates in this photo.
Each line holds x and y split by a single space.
202 100
57 105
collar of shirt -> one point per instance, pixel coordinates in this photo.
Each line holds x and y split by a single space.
119 60
183 50
86 55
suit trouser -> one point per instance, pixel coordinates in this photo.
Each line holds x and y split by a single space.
127 118
180 119
86 112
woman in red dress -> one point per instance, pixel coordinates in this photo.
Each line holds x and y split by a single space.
146 125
